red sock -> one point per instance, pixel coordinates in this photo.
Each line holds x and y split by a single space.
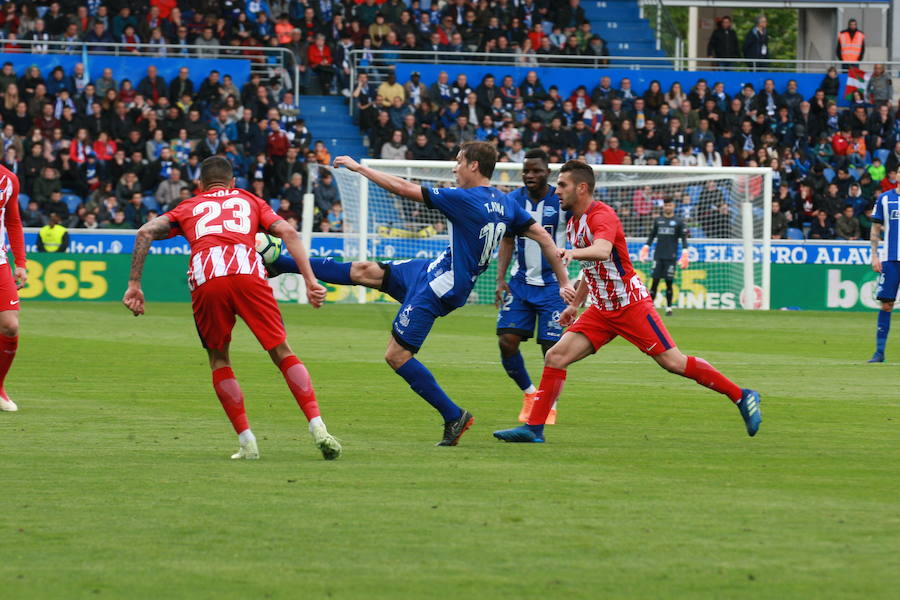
552 382
231 397
298 380
8 347
706 375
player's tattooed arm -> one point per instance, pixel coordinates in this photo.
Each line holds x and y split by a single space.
157 229
874 240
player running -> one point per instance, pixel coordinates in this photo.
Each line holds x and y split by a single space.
886 216
532 294
620 306
480 216
667 229
10 281
227 279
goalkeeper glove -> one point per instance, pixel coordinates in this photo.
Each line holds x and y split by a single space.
644 254
683 261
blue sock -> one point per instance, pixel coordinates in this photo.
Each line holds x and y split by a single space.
331 271
423 383
881 333
515 368
284 264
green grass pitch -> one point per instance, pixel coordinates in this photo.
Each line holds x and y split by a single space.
116 480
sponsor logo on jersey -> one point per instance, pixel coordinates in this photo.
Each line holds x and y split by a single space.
549 211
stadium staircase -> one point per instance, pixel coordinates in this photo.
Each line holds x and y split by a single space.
625 32
328 119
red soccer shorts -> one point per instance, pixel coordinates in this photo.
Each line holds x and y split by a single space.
638 323
220 299
9 295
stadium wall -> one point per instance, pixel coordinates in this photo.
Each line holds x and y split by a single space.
133 68
808 276
568 79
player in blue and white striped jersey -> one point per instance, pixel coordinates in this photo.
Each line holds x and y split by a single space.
532 295
886 217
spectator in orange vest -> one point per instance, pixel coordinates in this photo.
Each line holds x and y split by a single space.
851 46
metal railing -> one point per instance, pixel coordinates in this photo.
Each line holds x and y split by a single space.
668 38
267 61
377 63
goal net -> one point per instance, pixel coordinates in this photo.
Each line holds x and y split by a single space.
727 211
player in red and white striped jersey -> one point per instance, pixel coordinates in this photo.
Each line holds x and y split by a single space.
620 306
612 283
227 279
10 280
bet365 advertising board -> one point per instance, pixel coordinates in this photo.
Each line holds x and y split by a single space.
807 276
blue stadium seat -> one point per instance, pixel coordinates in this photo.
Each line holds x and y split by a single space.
72 201
829 174
242 183
275 203
856 174
795 234
24 199
694 192
882 155
151 203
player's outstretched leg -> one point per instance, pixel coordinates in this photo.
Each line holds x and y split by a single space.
368 274
570 348
232 398
881 331
747 401
300 384
326 269
456 420
514 365
9 343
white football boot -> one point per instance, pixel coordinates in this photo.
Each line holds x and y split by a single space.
6 404
247 451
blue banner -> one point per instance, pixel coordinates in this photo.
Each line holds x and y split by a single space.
568 79
133 67
783 252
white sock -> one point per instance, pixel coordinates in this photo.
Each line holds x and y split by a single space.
531 389
246 436
316 422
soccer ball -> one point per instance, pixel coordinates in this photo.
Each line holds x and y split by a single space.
269 247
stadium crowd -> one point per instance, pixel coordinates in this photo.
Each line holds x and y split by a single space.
103 152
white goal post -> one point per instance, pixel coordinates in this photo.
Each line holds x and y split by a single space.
728 211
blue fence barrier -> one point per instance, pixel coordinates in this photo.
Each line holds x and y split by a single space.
568 79
133 68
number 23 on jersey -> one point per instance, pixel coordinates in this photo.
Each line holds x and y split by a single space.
233 215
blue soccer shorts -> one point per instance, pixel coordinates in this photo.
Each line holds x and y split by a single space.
888 281
526 305
401 275
406 281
